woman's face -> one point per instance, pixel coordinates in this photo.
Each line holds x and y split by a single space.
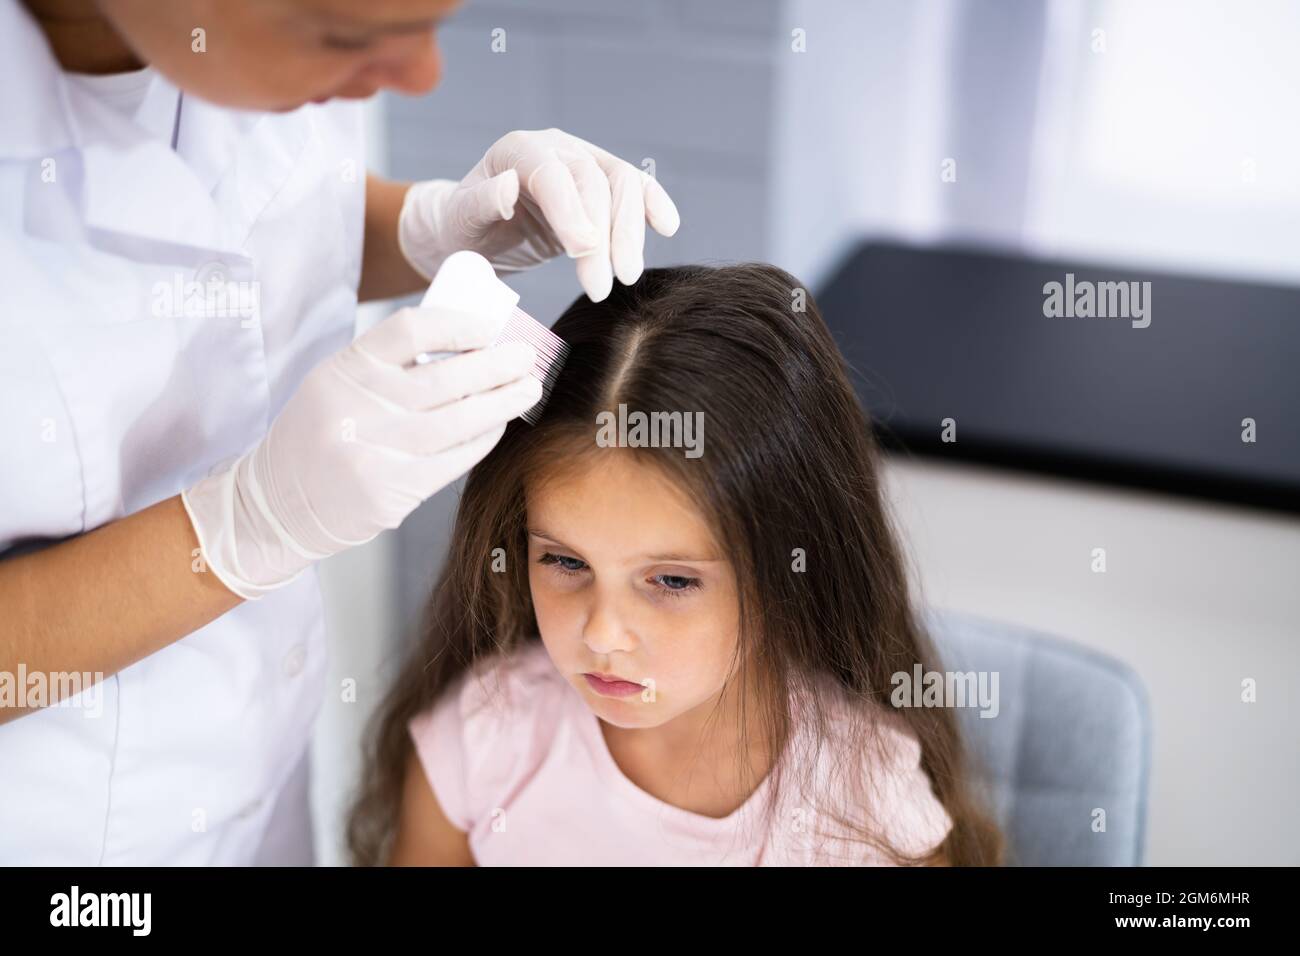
281 54
626 581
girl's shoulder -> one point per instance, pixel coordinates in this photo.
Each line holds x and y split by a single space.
488 727
520 674
880 731
871 764
505 687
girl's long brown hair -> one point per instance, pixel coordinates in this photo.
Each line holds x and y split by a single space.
789 481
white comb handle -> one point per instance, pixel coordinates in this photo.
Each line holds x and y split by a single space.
467 282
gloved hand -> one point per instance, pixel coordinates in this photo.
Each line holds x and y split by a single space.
362 442
535 194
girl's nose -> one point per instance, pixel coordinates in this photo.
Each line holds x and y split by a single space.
605 632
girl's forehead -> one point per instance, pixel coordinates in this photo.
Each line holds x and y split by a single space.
618 503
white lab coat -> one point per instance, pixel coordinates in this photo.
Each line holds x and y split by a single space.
114 397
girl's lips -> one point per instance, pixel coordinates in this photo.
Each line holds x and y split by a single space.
612 688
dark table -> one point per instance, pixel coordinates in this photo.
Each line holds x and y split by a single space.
960 333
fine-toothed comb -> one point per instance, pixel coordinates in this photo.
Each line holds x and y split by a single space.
467 281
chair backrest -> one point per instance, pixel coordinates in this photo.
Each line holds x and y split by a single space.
1071 737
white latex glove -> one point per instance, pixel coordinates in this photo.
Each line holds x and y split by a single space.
535 194
362 442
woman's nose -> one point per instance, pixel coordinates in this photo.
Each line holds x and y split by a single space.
414 69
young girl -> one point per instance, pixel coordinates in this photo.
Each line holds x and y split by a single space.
674 645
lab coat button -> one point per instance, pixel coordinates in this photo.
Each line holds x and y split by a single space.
294 660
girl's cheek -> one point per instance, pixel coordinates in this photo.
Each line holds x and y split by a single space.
551 599
713 629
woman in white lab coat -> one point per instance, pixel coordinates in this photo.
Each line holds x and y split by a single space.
186 425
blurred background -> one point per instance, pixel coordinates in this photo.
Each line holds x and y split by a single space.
1147 134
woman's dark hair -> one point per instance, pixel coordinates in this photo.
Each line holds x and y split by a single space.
789 469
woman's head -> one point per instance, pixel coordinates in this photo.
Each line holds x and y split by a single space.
264 54
698 511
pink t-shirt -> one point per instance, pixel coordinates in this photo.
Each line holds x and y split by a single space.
518 761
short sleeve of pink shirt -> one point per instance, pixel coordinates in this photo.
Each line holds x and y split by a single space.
517 760
439 743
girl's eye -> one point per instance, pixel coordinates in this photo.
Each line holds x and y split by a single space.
561 563
675 584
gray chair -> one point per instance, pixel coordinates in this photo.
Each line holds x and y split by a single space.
1072 734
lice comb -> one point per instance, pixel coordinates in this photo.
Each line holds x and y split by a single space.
467 281
551 353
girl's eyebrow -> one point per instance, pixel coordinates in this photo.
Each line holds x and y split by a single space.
683 558
539 533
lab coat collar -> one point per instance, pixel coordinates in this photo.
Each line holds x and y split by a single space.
45 115
35 108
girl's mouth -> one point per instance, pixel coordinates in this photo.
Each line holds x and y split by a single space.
612 688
